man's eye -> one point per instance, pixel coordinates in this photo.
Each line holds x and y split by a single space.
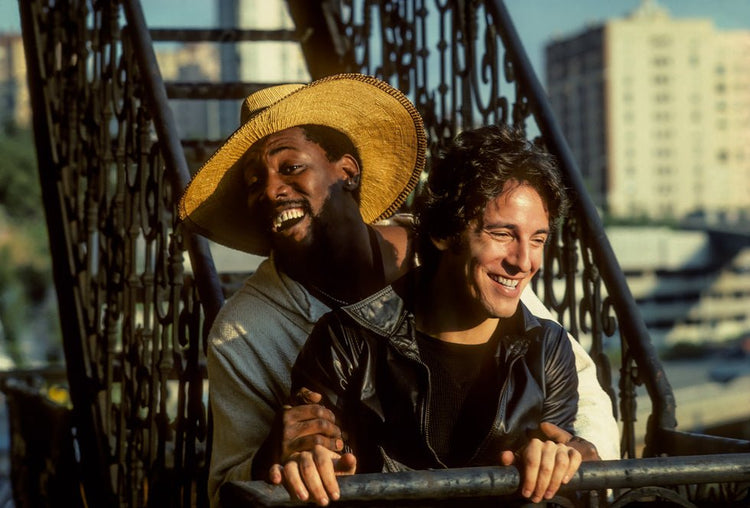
539 241
500 235
291 169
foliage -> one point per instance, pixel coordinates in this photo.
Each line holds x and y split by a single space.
30 330
20 193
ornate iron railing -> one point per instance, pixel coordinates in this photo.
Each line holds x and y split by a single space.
112 168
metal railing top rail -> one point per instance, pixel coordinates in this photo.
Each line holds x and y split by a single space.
480 482
217 91
207 280
221 35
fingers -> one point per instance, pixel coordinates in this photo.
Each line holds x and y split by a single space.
324 462
346 465
575 462
305 427
276 474
547 465
306 396
532 458
311 476
292 479
554 433
507 458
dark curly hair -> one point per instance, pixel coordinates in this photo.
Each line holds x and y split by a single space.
472 171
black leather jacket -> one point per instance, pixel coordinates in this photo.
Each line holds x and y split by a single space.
365 361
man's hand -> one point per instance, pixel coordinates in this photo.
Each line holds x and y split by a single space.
544 465
307 425
311 475
554 433
303 428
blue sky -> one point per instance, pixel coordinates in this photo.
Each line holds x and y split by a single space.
536 20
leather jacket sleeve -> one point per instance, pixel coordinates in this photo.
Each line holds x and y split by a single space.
328 361
561 380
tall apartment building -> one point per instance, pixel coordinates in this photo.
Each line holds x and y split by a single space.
257 62
657 113
15 105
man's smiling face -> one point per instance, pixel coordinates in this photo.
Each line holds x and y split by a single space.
291 182
500 252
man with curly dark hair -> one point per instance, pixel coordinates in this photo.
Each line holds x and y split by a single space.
447 367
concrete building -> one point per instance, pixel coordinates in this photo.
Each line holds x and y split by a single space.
194 63
15 105
690 286
657 112
257 62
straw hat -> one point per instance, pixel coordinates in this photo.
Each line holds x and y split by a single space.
384 126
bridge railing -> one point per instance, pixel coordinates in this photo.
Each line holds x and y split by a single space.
112 168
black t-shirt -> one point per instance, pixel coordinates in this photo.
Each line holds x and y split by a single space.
463 398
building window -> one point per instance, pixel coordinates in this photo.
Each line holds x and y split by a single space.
663 152
660 41
664 170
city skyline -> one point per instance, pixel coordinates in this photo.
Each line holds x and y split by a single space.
537 21
654 109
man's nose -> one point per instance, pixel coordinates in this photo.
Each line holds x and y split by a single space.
276 186
520 257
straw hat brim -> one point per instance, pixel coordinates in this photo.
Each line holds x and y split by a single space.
381 122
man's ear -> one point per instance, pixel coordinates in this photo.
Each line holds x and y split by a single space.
441 244
353 173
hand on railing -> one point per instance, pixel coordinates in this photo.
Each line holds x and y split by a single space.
308 424
311 475
544 467
587 450
308 458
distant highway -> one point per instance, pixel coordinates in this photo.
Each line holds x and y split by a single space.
701 402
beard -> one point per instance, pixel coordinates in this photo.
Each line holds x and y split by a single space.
296 253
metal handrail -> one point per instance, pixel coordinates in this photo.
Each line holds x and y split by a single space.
207 280
476 482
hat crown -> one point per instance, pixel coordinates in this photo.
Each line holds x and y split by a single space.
260 100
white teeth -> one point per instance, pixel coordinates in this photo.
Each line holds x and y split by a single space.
292 213
511 283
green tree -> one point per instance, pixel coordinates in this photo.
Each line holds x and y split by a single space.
25 265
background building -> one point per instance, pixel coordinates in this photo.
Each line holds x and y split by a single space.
198 62
14 94
657 112
257 62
